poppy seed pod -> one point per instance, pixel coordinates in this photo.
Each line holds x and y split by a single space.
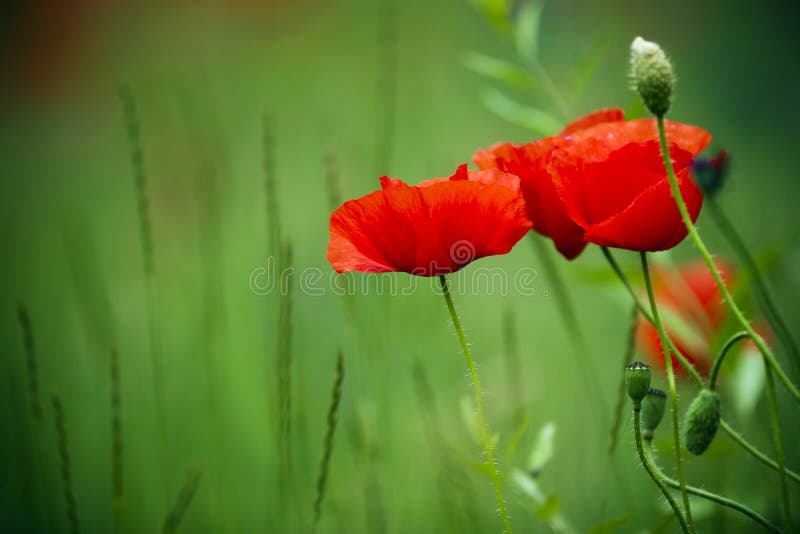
653 409
702 421
637 381
652 75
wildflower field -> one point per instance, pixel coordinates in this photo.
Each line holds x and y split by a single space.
399 267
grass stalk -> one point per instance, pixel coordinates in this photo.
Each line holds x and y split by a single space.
116 442
31 364
147 250
324 467
270 188
66 465
182 502
284 374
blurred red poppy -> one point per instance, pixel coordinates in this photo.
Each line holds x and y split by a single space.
612 180
434 228
530 162
692 310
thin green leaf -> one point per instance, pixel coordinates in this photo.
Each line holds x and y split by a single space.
543 448
533 119
496 12
530 488
550 508
513 445
499 69
526 30
470 419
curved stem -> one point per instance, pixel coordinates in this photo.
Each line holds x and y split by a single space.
755 453
735 338
738 438
484 426
776 434
719 499
770 309
673 390
637 429
687 220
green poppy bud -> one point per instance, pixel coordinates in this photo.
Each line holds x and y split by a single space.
702 421
653 410
652 75
637 380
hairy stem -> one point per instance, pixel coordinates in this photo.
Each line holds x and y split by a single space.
735 338
713 497
673 390
484 426
698 380
637 429
771 311
701 246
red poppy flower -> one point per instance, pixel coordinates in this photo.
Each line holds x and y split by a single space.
530 162
434 228
612 180
692 311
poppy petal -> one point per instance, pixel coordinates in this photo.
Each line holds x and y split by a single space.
431 229
592 119
544 206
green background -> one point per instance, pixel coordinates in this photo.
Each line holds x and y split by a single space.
203 75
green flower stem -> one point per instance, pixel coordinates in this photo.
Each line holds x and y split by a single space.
687 220
769 359
719 499
771 310
735 338
776 433
484 426
738 438
648 466
673 391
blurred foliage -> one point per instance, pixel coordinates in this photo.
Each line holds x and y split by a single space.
202 76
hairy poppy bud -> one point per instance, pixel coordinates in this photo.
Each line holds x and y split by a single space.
637 380
702 421
653 410
652 75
